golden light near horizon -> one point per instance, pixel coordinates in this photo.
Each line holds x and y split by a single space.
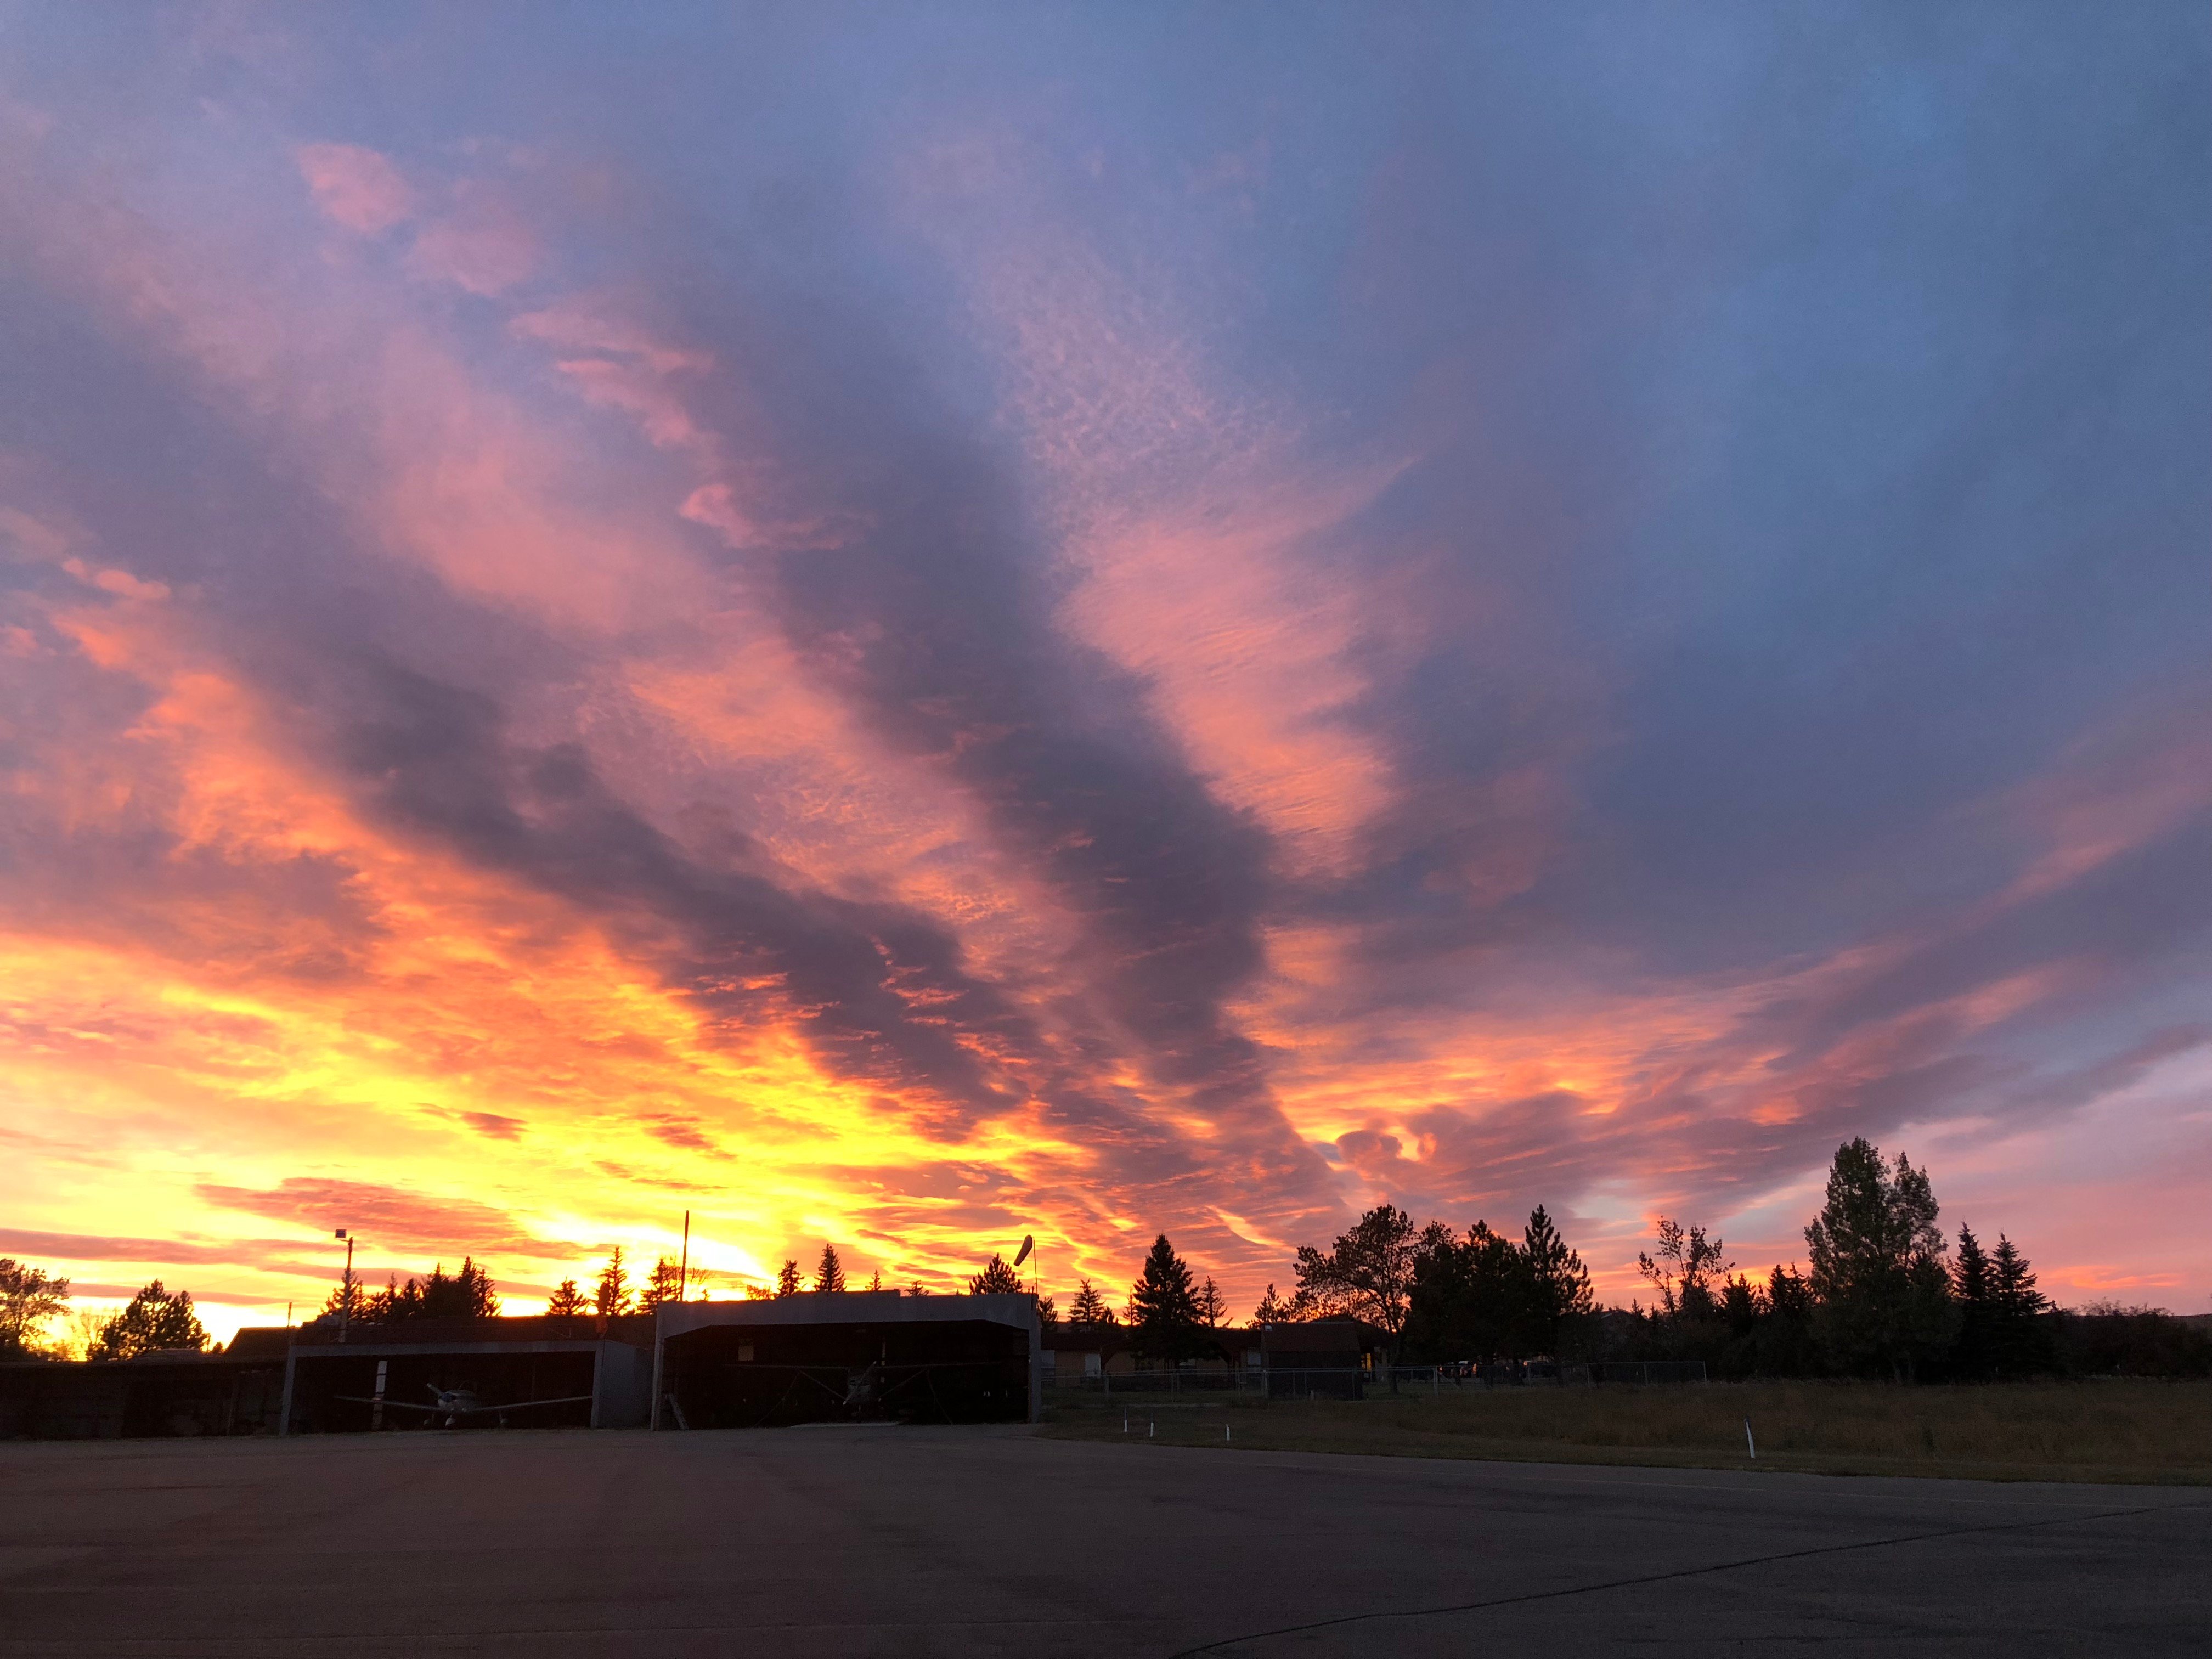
905 672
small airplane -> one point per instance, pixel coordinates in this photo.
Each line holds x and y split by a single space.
454 1404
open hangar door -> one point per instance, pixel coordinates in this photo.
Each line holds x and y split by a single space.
892 1360
456 1386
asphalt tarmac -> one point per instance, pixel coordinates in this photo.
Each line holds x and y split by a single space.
986 1542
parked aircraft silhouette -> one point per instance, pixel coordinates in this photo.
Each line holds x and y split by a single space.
455 1404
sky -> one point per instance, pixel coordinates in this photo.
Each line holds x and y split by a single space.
909 627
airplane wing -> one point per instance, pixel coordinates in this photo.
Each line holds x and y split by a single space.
518 1405
460 1411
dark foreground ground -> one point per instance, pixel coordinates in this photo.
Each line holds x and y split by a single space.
960 1541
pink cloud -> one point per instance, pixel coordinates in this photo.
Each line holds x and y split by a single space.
358 188
483 244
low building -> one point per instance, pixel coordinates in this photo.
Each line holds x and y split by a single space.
1326 1359
155 1395
847 1356
532 1371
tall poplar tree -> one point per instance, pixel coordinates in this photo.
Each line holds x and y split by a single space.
1878 1267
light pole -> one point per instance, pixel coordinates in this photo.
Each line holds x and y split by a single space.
345 1299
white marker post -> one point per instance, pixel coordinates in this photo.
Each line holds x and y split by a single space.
1750 1445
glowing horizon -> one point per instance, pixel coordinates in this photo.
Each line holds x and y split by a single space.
1092 627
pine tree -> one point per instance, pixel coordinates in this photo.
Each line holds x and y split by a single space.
1212 1306
997 1279
829 1274
474 1296
1784 1342
1088 1308
1163 1303
1275 1309
1473 1297
664 1284
1740 1308
1558 1283
788 1280
611 1296
1975 1292
2019 1346
28 1298
566 1301
876 1279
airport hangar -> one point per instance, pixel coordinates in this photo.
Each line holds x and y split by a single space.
850 1356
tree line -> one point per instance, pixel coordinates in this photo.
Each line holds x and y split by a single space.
153 1320
1881 1294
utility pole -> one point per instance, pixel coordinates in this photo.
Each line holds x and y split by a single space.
683 1269
345 1301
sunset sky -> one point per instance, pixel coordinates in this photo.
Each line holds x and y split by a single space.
907 626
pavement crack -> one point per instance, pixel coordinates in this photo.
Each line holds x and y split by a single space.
1222 1643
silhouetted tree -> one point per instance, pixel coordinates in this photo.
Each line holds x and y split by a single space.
1283 1310
610 1296
997 1279
1783 1340
473 1296
664 1284
1472 1299
1212 1306
1048 1314
1878 1267
1740 1308
2020 1342
1558 1283
468 1293
1090 1307
1162 1304
1367 1272
1974 1292
876 1279
28 1298
1684 1269
786 1279
566 1301
154 1322
829 1272
2106 1339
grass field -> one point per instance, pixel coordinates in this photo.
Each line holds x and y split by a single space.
2159 1432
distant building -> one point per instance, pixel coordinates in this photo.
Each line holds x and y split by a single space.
845 1356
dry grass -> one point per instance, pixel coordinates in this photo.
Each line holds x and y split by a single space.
2159 1432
